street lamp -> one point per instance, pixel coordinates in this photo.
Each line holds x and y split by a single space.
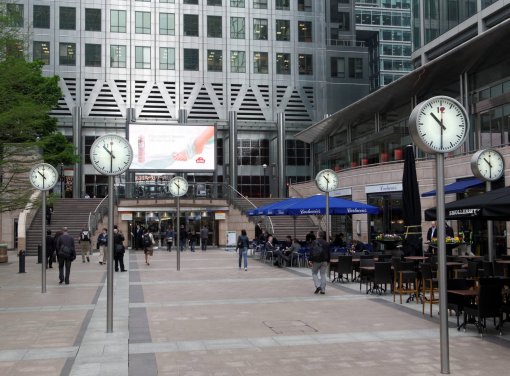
61 180
264 166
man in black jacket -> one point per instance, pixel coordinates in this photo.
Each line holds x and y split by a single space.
66 255
50 248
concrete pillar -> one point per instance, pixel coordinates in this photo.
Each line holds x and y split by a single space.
78 166
232 130
281 153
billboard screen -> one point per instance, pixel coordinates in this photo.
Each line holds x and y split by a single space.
173 147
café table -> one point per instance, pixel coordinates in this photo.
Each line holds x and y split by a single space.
451 266
469 295
506 264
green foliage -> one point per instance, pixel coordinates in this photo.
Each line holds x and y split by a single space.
56 149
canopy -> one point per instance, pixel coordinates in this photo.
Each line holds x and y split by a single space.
272 209
493 205
457 187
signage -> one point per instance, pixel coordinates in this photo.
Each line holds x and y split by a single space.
220 216
382 188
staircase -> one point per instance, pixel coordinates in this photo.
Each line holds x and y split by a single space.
72 213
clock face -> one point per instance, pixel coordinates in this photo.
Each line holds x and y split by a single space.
111 154
178 186
327 180
43 176
487 164
439 125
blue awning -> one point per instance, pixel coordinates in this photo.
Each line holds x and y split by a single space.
457 187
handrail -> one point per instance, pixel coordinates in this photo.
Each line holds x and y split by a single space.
97 215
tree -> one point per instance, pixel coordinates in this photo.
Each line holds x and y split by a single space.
27 131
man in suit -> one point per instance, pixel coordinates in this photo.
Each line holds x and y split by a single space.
66 255
431 233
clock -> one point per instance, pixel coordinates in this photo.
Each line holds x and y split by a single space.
487 164
178 186
111 154
327 180
438 125
43 176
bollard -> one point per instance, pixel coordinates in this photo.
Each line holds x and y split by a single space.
39 253
21 255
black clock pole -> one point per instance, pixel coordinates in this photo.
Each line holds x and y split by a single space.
43 243
443 309
109 264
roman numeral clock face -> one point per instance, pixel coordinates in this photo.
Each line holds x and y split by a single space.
111 154
439 125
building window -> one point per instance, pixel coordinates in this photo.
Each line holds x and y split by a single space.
192 2
260 62
260 4
191 62
237 28
283 30
214 27
214 60
67 18
282 5
118 56
282 63
142 57
67 54
214 3
237 62
305 64
298 153
14 14
343 19
304 31
355 67
142 22
167 1
260 29
118 21
237 3
167 24
338 67
92 19
42 52
42 16
167 58
304 5
92 55
190 25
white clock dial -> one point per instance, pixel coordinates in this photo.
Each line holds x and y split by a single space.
111 154
488 164
327 180
439 125
43 176
178 186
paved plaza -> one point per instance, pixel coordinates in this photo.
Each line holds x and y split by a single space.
212 318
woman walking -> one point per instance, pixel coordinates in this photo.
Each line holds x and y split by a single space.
242 245
148 241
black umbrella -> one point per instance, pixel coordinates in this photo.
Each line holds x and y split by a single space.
411 205
493 205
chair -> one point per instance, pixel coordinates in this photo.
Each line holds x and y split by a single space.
382 275
490 302
499 269
488 269
365 275
344 267
472 270
430 286
405 280
455 302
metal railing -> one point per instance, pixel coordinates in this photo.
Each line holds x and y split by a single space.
97 215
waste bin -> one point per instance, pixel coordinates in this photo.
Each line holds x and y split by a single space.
3 253
21 255
39 254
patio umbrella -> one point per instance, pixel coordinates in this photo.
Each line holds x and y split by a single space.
316 205
411 206
493 205
272 208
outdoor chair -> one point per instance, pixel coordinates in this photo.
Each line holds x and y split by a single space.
488 269
499 269
343 267
472 269
405 281
429 287
455 302
382 276
365 276
489 305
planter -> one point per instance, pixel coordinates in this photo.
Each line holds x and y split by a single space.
384 157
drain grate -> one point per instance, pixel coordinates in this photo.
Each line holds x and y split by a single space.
289 327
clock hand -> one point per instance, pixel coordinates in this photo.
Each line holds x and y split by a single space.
488 162
108 151
40 173
440 122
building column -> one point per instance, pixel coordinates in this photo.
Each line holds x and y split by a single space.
232 122
77 142
281 153
130 176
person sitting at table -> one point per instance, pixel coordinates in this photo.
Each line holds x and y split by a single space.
270 246
339 240
310 237
357 246
288 242
290 251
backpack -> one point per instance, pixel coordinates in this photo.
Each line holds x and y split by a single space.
147 242
85 235
316 252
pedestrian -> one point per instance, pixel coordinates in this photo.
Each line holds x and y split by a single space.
148 241
258 230
102 245
118 250
169 236
50 249
49 212
66 255
310 237
204 237
192 239
243 244
319 260
85 243
182 238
